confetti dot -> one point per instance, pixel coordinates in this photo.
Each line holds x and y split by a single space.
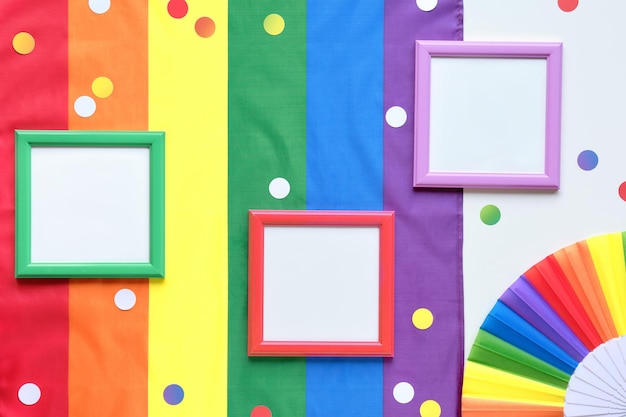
29 394
173 394
102 87
622 191
261 411
205 27
177 8
587 160
125 299
568 5
426 5
23 43
422 318
279 188
403 392
490 215
430 408
274 24
85 106
99 6
395 116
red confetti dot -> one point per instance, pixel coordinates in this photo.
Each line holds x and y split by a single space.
261 411
568 5
205 27
177 8
622 191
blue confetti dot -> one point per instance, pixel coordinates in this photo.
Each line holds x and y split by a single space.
587 160
173 394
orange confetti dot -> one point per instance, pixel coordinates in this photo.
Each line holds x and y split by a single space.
23 43
205 27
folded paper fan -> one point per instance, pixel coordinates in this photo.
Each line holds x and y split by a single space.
553 343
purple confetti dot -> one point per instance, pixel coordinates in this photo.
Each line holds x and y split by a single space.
173 394
587 160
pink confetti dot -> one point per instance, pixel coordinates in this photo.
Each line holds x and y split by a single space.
177 8
622 191
261 411
568 5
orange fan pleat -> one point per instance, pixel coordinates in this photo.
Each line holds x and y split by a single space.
577 264
479 407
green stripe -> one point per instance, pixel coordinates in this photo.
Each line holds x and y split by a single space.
267 122
494 352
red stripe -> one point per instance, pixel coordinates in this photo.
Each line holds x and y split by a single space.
33 95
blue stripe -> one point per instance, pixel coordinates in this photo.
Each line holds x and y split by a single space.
350 387
344 167
344 104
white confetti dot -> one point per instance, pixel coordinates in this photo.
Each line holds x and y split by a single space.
395 116
85 106
279 188
426 5
29 394
125 299
403 392
99 6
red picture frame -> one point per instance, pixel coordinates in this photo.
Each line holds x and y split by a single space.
280 322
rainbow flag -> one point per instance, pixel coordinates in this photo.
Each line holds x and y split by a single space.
265 105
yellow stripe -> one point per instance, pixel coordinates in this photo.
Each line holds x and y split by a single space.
481 381
188 309
607 252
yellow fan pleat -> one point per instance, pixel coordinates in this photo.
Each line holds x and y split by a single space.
607 252
481 381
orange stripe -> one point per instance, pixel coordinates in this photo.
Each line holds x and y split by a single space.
114 45
108 347
108 350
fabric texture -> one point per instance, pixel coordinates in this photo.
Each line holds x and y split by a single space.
251 95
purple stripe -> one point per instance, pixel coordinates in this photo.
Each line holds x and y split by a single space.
429 229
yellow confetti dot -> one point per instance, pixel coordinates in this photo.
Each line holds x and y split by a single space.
102 87
274 24
430 408
422 318
23 43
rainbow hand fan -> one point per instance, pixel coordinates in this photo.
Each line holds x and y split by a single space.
553 343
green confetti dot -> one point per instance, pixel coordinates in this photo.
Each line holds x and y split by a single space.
490 215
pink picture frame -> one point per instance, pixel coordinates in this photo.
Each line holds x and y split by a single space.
320 283
487 114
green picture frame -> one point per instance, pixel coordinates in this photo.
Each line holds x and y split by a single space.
120 149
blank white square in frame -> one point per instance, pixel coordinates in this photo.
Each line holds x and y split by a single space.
488 115
90 204
321 283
